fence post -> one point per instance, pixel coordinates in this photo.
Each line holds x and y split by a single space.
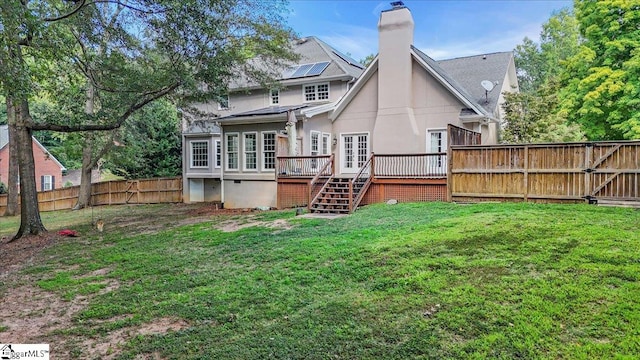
526 173
588 158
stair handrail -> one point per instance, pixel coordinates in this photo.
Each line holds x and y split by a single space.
317 177
358 195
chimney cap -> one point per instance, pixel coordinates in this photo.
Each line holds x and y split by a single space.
397 4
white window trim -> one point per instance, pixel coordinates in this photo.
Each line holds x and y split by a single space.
226 151
428 139
341 135
271 97
244 151
217 150
319 143
304 98
191 142
328 149
45 182
275 150
442 159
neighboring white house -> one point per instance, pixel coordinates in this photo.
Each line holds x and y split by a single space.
402 103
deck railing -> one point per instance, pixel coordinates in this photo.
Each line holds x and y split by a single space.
432 165
303 166
359 184
320 181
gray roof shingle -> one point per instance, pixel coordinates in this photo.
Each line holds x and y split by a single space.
469 71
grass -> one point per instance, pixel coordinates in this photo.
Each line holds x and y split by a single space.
428 280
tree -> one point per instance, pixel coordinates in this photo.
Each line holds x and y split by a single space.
188 50
533 115
367 59
149 145
601 83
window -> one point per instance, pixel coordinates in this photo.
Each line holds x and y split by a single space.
316 92
250 151
223 102
326 142
218 153
47 182
232 144
315 143
315 148
274 97
268 150
199 154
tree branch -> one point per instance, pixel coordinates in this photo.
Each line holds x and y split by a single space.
80 5
115 125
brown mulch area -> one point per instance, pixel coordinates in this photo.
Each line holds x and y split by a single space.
19 253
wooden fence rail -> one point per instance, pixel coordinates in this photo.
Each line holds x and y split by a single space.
143 191
569 172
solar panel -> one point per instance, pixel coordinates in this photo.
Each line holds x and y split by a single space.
302 70
317 68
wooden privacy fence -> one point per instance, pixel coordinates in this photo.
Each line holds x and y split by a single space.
143 191
571 172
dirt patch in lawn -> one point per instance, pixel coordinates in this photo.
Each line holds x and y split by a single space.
249 221
109 346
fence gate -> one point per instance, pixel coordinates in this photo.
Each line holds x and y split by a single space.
560 172
133 189
614 171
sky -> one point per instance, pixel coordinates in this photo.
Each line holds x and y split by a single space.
443 29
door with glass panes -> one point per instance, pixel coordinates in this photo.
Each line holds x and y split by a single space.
354 150
437 143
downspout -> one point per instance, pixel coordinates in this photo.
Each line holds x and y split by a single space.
222 161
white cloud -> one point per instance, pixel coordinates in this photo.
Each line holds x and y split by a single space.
355 40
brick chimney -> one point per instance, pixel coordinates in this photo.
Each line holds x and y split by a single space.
395 113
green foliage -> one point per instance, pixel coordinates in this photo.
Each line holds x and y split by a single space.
532 115
529 118
150 144
427 280
601 84
3 188
368 59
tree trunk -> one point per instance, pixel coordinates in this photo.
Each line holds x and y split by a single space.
30 221
84 195
12 186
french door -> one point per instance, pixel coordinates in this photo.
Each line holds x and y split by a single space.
354 150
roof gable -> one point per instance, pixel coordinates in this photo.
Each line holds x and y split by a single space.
318 61
469 71
4 140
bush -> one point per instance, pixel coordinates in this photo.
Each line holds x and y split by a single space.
3 188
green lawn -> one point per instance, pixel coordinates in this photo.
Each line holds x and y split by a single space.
423 280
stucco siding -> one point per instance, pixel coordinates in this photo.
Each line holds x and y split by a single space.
249 193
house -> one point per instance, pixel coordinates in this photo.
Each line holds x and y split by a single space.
48 168
232 158
404 108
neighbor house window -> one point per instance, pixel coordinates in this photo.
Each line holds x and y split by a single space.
223 102
199 154
218 153
316 92
268 150
47 182
250 151
232 145
275 97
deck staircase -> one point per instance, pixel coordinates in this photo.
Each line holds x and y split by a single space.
333 198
